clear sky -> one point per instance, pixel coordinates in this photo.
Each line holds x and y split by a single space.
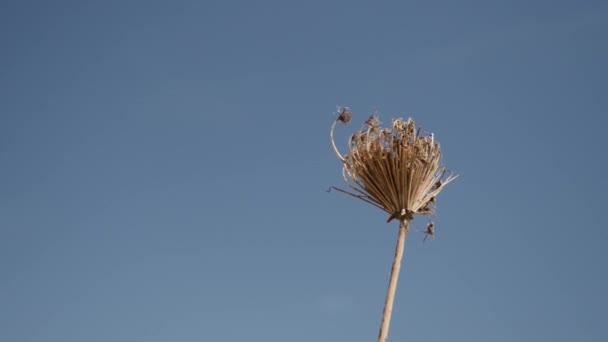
163 168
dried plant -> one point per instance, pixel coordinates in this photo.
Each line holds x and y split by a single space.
398 170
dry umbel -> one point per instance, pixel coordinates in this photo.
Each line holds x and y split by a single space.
398 170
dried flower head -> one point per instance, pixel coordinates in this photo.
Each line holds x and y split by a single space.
344 115
396 169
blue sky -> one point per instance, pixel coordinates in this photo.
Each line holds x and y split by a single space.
163 168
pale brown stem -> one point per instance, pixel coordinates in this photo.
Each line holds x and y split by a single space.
392 284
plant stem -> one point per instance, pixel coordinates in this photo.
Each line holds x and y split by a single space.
392 284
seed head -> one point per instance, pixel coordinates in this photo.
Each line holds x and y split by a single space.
395 169
344 115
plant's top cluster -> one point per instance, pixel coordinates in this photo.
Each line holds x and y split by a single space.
396 169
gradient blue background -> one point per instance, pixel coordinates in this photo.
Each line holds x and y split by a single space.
163 168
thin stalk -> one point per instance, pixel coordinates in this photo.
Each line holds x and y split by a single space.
333 143
392 284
